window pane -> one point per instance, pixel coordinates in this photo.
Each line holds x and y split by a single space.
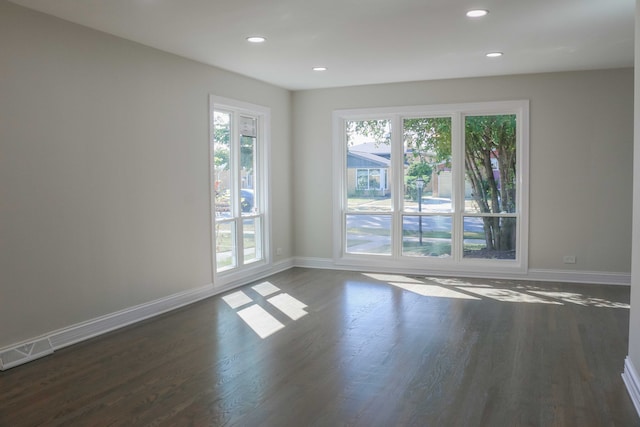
251 240
368 165
362 179
248 165
427 164
222 163
490 164
374 179
428 236
225 245
490 237
369 234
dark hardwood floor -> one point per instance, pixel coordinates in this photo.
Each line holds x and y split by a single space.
372 350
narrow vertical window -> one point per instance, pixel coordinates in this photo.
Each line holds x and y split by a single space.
239 186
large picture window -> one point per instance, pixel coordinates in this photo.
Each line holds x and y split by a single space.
438 187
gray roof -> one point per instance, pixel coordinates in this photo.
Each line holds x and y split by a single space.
358 159
372 147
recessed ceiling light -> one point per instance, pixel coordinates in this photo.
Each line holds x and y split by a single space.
256 39
494 54
319 68
477 13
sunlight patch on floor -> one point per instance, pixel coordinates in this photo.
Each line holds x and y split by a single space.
455 282
433 291
265 288
448 287
391 278
257 317
288 305
237 299
260 320
507 295
581 299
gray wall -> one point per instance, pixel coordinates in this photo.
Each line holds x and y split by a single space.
581 144
104 172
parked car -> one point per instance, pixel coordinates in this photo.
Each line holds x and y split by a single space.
246 200
223 200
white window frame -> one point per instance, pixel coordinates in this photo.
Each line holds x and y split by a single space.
456 264
237 275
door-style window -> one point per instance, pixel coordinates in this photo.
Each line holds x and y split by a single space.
238 188
433 185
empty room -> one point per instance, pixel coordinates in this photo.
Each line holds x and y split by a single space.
409 213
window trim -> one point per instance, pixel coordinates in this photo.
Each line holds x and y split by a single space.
455 264
263 114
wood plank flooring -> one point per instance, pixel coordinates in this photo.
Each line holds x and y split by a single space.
373 350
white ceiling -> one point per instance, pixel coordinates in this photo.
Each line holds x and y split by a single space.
369 41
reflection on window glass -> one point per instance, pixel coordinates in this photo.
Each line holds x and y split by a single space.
426 236
363 179
371 179
374 179
369 234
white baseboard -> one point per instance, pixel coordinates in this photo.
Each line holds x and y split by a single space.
281 266
18 354
568 276
319 263
571 276
34 348
632 381
103 324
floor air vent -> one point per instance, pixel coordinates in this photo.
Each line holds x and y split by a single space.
24 353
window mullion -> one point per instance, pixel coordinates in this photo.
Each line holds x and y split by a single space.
397 189
235 189
457 169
